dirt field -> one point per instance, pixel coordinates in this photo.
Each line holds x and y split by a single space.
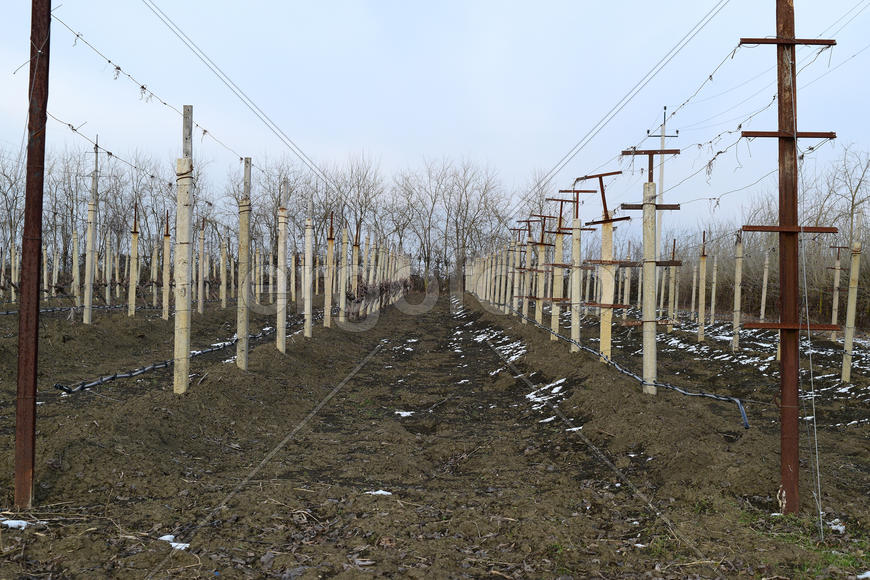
452 443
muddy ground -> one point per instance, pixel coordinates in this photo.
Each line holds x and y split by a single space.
448 443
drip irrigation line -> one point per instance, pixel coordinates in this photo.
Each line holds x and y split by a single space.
84 385
637 377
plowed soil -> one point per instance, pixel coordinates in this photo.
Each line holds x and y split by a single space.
444 441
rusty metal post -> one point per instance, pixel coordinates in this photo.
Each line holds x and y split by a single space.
28 319
789 282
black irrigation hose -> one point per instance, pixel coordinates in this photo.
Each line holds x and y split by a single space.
69 389
638 378
95 307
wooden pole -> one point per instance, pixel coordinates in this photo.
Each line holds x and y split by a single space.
851 303
244 279
134 264
183 255
693 306
738 292
281 322
307 282
28 318
649 289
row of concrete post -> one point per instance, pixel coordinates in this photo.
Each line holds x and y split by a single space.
523 274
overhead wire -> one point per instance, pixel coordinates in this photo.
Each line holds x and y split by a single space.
240 94
145 93
621 104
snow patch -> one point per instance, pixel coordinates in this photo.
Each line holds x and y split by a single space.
175 545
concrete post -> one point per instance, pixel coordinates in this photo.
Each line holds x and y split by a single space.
672 297
606 277
587 292
44 272
764 285
662 275
516 278
702 295
557 285
54 271
851 303
167 255
244 278
281 322
293 278
200 279
118 273
527 280
542 279
650 354
223 273
693 305
107 271
154 270
342 277
183 257
77 284
835 297
134 268
272 279
738 292
328 281
308 273
713 290
575 284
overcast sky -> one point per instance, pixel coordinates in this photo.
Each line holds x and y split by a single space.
512 85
